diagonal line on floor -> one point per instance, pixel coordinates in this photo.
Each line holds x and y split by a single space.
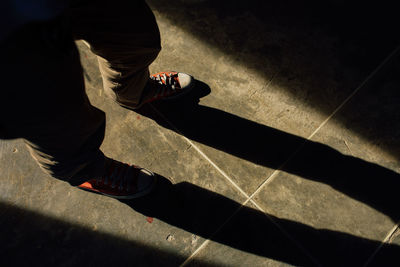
368 79
248 198
385 62
386 240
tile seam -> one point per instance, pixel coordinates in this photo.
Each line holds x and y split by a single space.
369 77
285 233
203 155
215 166
205 243
385 241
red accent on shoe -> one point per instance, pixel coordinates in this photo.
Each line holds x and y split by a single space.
121 181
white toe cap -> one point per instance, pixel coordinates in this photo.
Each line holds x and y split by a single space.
185 80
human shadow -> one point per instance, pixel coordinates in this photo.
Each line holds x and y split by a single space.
320 49
367 182
202 212
30 238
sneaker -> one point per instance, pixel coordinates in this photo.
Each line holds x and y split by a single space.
121 181
166 85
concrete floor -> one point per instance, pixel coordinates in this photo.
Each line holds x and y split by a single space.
287 152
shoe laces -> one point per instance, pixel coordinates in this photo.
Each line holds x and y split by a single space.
117 175
169 80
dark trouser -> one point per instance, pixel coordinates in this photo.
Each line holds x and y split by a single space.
43 98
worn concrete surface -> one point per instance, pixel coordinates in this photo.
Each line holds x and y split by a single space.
286 154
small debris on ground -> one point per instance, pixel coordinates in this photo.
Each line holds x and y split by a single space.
170 238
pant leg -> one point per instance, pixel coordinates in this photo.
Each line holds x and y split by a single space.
125 37
43 100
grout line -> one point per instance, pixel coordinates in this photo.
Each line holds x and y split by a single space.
205 243
189 259
217 168
285 233
380 66
385 241
391 233
277 171
202 154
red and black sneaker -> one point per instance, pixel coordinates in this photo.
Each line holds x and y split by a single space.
165 85
121 181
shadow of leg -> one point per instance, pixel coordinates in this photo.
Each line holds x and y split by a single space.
202 212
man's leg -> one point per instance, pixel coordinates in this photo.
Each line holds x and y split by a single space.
43 101
125 37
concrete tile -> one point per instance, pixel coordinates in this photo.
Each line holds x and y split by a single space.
251 239
261 71
342 182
